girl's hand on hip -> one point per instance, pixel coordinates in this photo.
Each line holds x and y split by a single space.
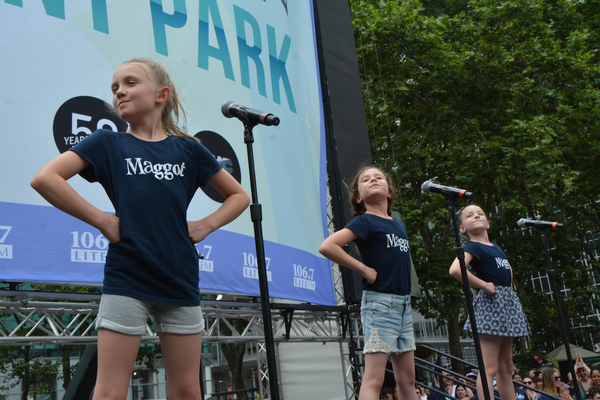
489 289
369 274
198 231
111 230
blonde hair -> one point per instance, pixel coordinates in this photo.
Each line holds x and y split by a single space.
550 386
359 208
173 107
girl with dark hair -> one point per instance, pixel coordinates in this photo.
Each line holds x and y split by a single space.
385 309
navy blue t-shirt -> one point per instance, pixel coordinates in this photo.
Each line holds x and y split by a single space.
521 394
150 185
436 396
489 263
383 246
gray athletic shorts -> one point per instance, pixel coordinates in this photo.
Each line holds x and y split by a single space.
129 316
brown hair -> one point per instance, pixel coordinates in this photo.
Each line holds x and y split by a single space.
550 386
173 107
359 208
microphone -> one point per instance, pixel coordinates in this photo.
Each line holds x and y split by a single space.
245 114
538 224
429 187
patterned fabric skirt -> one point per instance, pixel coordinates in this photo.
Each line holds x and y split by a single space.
500 314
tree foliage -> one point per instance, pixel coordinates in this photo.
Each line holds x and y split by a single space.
500 97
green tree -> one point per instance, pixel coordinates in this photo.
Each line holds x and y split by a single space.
33 370
500 97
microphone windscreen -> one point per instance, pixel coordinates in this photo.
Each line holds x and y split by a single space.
425 186
225 108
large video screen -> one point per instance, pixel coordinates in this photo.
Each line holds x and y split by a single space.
57 60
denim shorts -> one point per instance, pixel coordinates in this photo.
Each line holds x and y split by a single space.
129 316
387 323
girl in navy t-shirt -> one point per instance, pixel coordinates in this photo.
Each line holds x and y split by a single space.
150 174
498 312
385 309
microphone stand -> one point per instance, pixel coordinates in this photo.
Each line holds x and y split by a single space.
256 216
563 330
460 254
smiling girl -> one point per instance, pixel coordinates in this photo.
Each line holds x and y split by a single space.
499 315
150 174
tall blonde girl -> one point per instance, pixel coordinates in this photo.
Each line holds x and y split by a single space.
150 174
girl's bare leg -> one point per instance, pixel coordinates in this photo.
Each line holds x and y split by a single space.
373 376
404 372
116 357
182 364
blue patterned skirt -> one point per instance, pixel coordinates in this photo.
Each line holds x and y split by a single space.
500 314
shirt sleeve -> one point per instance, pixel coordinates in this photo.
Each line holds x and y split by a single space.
473 249
90 149
359 226
208 165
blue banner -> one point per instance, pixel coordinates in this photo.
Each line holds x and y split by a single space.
57 60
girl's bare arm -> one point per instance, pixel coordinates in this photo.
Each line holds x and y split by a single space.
236 201
51 183
333 249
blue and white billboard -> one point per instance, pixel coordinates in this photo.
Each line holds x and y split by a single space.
57 58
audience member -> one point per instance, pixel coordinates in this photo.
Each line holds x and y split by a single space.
583 373
537 381
553 385
461 392
466 386
595 374
583 377
529 382
420 393
386 393
594 393
441 386
571 387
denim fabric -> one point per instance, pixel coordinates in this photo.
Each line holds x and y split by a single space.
387 323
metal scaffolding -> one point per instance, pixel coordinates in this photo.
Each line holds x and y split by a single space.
69 319
57 318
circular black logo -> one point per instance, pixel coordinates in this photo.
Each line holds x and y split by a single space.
223 152
79 117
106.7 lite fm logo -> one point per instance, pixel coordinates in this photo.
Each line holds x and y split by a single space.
79 117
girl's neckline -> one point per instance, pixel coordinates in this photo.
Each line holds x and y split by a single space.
147 141
379 216
484 244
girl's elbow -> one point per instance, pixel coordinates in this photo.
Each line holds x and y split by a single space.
454 272
246 200
322 249
325 249
37 183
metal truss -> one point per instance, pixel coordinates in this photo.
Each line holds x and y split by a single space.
28 322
